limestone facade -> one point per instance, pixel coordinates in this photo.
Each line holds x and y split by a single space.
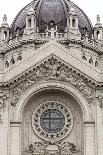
51 82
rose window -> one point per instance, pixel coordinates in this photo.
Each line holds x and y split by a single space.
52 121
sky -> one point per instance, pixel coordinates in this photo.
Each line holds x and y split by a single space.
12 7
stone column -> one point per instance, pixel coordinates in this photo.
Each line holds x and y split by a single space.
15 138
89 138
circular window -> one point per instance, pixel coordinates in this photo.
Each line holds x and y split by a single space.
52 121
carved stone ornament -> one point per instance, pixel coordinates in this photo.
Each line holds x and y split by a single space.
53 69
99 96
3 98
45 148
52 121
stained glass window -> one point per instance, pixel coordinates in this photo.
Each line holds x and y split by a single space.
52 121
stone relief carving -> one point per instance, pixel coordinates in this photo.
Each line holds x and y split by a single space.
99 96
45 148
3 99
53 69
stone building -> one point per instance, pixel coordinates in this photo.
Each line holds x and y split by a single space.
51 81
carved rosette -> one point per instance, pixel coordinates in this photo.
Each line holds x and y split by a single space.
53 69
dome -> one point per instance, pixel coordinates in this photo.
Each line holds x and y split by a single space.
50 12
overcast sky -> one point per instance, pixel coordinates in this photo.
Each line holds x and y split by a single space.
12 7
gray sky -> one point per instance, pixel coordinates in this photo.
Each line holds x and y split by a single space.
12 7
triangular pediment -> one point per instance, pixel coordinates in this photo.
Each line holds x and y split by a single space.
50 49
55 69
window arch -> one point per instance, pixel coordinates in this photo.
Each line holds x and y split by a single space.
5 35
73 22
98 35
12 61
29 22
96 63
91 61
6 64
84 57
19 58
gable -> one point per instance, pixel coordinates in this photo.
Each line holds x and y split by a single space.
40 55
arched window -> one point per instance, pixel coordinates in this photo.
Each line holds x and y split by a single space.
84 57
12 61
98 35
91 61
29 23
73 23
96 63
5 35
19 58
6 64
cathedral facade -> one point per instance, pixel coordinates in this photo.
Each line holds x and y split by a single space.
51 81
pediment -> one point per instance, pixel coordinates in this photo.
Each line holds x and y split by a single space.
55 49
55 69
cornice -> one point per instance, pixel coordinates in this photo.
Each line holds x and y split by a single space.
82 43
20 41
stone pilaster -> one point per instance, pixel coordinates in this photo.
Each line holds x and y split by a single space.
99 122
90 138
15 138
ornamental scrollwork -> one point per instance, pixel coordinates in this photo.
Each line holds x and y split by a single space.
3 99
99 96
53 69
45 148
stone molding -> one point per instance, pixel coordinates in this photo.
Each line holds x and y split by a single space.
53 69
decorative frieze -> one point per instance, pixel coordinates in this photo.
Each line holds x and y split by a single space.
53 69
